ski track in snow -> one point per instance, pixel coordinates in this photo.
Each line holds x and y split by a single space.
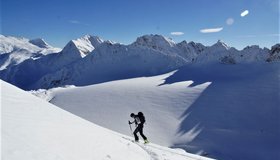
152 150
152 154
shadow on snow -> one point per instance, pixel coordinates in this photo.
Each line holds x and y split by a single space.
236 116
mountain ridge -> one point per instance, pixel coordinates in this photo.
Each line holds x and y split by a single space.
105 60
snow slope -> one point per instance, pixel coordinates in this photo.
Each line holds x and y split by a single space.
223 111
34 129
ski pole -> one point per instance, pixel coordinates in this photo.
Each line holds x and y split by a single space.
130 126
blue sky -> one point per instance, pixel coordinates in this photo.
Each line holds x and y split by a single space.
58 21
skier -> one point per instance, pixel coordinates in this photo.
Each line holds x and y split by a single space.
139 121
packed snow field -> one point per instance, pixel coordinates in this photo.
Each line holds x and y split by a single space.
223 111
215 101
33 129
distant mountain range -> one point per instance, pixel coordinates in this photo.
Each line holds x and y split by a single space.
34 64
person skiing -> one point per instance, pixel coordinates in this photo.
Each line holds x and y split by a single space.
139 121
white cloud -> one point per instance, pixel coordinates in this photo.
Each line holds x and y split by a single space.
244 13
177 33
230 21
211 30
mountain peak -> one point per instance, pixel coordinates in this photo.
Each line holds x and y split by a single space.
83 46
275 49
9 44
276 46
274 54
220 42
220 45
94 40
40 43
155 41
252 47
71 47
184 42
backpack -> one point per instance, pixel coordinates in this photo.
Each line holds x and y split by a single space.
141 117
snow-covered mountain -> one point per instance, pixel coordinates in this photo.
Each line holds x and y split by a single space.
190 50
9 44
40 43
274 54
32 69
82 46
214 53
187 51
111 62
223 111
15 50
156 42
33 129
220 52
149 55
90 60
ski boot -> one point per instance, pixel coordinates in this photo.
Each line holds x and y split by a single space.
146 141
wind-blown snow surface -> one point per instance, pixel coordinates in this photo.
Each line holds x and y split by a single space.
223 111
33 129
